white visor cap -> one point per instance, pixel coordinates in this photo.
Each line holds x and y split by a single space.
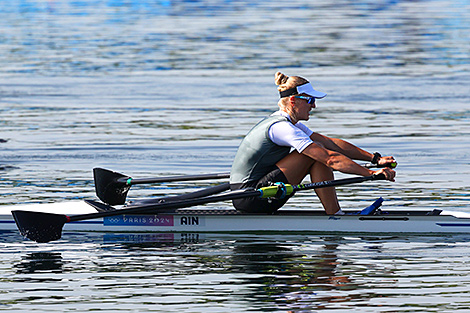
305 88
308 89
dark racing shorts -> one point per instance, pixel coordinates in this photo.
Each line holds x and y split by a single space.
258 205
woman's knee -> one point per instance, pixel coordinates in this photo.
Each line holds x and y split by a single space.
296 168
320 171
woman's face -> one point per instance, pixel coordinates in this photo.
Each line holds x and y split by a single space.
302 107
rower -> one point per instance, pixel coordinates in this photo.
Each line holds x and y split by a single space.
280 148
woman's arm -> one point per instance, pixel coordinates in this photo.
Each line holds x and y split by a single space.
343 147
339 162
349 150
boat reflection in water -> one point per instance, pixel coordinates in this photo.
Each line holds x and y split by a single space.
276 270
272 272
37 262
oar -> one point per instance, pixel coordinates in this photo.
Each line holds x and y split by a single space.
112 187
45 227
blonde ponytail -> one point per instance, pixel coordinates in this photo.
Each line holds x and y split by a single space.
285 82
280 78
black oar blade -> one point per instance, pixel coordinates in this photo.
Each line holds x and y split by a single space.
108 188
39 226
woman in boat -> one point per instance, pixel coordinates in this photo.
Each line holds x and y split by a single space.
282 149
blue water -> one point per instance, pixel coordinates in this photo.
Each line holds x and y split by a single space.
158 88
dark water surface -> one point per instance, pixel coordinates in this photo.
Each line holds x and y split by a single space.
157 88
157 273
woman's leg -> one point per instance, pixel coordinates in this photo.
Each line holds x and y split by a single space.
321 172
296 166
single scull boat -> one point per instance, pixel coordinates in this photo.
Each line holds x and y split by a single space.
229 220
44 223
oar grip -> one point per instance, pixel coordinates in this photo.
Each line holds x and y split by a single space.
273 191
390 165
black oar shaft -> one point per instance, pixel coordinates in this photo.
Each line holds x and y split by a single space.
273 191
338 182
112 187
146 208
136 181
192 195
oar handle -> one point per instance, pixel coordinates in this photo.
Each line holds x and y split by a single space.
135 181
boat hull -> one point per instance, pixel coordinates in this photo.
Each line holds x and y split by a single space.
228 220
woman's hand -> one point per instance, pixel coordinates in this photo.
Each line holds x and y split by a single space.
388 172
387 161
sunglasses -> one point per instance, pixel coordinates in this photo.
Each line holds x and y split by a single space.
310 100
